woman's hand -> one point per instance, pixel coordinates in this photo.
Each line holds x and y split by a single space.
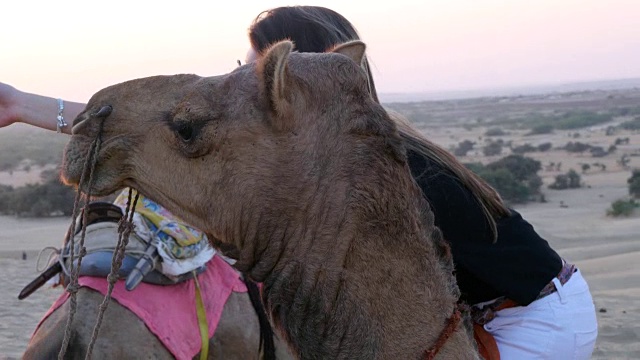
9 105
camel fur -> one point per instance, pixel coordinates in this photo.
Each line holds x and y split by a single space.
124 336
291 161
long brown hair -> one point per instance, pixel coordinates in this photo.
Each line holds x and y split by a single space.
488 198
318 29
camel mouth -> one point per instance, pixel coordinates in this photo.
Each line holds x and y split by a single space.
93 171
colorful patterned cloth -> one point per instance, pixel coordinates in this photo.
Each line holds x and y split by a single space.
182 247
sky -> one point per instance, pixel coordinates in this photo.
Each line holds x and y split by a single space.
71 49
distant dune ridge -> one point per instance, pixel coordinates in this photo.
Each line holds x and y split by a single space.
607 250
535 89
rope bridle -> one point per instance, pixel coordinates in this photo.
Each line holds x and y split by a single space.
449 329
125 226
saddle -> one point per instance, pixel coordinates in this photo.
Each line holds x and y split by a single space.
141 262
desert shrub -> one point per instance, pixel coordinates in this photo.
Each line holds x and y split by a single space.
545 124
626 111
624 161
570 180
598 151
493 148
507 185
521 166
524 169
544 146
495 132
580 119
6 194
622 207
514 177
631 124
576 147
463 148
622 141
39 200
476 167
522 149
634 183
541 129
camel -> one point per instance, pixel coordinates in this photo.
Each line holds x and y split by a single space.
290 161
238 335
124 336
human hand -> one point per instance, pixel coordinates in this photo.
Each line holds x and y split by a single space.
9 105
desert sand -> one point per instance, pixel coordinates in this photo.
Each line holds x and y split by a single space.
607 250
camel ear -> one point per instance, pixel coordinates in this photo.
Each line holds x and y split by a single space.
274 74
353 49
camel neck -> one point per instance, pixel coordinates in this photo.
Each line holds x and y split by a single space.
334 270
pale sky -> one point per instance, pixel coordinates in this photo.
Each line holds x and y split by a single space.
71 49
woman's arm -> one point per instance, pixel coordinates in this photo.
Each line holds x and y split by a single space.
37 110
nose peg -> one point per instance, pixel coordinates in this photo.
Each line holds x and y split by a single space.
103 112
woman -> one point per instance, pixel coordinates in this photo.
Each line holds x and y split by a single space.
533 303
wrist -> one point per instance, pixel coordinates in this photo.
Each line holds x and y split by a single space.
20 101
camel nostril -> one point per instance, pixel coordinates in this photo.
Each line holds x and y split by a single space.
79 119
103 112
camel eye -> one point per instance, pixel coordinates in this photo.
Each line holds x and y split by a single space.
185 131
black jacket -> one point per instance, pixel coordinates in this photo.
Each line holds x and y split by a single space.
517 266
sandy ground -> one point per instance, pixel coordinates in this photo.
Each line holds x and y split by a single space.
18 318
607 250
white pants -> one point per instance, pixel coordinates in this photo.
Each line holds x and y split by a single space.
561 325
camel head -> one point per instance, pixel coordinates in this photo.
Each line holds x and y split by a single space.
290 161
214 149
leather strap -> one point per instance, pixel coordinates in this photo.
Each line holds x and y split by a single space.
487 346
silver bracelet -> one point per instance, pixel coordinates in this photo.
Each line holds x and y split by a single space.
60 123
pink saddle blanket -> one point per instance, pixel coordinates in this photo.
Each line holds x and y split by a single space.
170 311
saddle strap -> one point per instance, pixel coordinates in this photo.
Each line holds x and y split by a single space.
202 320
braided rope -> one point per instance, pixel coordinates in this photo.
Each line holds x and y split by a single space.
125 226
72 287
124 229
